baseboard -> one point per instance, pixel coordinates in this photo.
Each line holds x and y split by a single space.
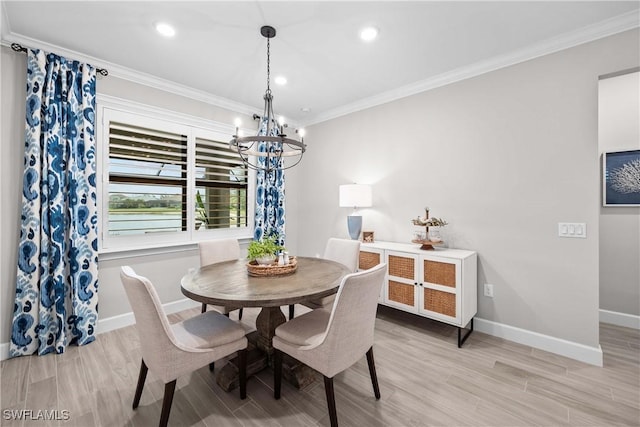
573 350
620 319
4 351
121 320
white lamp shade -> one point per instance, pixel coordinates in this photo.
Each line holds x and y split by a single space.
355 196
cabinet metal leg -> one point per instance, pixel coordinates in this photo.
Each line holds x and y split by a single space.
461 338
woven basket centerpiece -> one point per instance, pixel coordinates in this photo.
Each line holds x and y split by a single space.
275 269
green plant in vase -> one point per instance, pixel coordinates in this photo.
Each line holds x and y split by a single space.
264 251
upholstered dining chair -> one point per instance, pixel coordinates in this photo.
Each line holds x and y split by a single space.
332 341
340 250
213 252
171 350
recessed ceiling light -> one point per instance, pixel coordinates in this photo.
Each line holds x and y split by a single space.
280 80
369 33
165 29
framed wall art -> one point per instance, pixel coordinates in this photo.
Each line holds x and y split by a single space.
621 178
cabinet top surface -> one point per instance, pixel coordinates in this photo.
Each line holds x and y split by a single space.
415 249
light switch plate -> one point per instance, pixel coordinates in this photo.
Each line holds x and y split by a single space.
572 229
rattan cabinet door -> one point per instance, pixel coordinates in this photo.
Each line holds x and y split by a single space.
440 293
370 257
401 286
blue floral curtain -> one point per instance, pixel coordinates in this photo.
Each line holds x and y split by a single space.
269 218
57 277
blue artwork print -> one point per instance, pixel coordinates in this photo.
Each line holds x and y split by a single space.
56 301
622 178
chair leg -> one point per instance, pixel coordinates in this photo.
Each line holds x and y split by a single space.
372 373
277 373
331 401
204 308
240 314
169 388
292 309
242 373
141 379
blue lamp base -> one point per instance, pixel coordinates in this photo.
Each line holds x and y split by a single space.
354 225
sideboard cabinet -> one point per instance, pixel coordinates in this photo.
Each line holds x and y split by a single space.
440 284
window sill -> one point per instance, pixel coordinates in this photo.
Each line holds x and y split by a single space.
108 254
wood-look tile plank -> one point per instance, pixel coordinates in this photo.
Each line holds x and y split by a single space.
109 407
42 401
291 396
85 420
230 399
15 380
283 410
250 414
207 406
515 402
585 399
12 415
96 366
42 367
73 389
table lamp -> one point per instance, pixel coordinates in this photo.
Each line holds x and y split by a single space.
356 196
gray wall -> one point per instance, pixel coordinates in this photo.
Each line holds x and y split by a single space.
12 113
619 129
503 157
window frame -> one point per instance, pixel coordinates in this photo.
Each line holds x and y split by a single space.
115 109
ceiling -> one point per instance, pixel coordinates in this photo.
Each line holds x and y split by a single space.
219 55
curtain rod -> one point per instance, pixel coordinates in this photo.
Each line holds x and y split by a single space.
19 48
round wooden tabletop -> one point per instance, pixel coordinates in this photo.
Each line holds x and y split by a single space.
229 284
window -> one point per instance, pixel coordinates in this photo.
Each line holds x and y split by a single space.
169 182
147 180
221 186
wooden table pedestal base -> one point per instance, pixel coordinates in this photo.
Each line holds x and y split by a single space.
296 373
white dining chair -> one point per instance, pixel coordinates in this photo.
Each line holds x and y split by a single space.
332 341
344 251
213 252
171 350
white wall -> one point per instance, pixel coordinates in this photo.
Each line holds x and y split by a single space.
503 157
619 130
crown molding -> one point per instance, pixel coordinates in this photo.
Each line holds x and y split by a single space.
135 76
609 27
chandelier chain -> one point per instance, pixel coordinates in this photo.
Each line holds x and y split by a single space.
268 63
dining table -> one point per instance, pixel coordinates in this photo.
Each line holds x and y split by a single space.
231 284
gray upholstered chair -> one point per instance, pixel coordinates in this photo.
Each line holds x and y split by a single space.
171 350
332 341
344 251
213 252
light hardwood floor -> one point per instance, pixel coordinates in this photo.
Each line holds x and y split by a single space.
425 380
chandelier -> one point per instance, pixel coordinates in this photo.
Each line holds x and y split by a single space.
266 150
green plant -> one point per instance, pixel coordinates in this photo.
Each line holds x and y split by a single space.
201 212
266 246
